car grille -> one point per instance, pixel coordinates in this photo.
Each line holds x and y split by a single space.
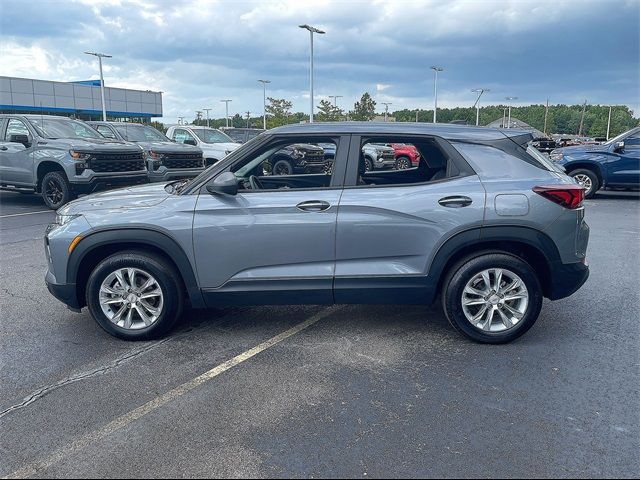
313 156
182 160
116 162
387 156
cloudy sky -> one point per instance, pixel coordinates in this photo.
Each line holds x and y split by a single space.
199 51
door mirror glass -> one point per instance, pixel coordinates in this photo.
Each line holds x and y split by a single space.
226 183
20 138
619 146
190 141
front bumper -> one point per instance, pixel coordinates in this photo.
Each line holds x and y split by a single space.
65 292
566 279
92 182
164 174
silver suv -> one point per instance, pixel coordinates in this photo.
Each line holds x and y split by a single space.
484 221
61 158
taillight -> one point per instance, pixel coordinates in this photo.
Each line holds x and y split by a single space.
569 196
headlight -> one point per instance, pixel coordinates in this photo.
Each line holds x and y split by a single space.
79 156
298 153
64 219
556 156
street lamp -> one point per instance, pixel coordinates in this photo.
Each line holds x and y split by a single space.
207 110
386 109
264 102
226 102
312 30
100 57
509 99
479 91
335 101
436 69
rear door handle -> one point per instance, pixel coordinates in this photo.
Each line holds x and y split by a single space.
455 201
313 206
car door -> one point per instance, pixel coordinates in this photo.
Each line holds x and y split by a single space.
390 227
270 246
16 159
624 166
182 135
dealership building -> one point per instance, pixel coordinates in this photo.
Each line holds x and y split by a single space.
78 99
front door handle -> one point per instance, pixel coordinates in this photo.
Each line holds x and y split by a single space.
455 201
313 206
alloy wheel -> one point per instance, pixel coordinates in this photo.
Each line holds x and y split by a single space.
53 191
495 300
584 181
131 298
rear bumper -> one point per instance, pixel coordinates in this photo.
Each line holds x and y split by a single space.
566 279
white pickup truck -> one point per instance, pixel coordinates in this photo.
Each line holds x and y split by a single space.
215 145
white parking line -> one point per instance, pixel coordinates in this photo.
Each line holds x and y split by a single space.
27 213
150 406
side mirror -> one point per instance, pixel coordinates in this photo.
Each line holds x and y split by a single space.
20 138
227 183
619 146
190 141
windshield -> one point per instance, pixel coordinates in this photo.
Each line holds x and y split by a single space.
141 133
620 137
209 135
49 128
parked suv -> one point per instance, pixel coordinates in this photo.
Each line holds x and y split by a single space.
215 144
299 158
615 163
378 156
61 158
406 156
166 160
484 222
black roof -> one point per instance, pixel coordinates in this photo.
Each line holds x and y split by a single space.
443 130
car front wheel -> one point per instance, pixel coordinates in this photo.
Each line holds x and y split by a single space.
492 298
134 295
56 191
282 167
403 163
587 180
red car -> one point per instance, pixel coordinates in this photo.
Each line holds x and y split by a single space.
406 155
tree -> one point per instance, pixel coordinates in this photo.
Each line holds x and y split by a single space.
278 112
328 112
365 109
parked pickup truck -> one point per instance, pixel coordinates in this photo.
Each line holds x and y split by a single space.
377 156
215 144
615 163
60 158
166 160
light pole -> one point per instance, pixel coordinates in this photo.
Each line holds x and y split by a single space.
207 110
226 111
100 57
335 102
479 91
264 102
386 109
509 99
312 30
436 69
609 122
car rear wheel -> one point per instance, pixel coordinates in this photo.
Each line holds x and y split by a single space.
56 191
282 167
135 295
586 179
492 298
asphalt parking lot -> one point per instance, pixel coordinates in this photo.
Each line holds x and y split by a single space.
356 391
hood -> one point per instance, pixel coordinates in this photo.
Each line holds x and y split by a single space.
169 147
97 144
580 149
306 147
122 198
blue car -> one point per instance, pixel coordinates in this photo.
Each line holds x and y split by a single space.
615 163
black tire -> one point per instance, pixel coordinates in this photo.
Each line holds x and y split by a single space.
56 191
595 183
368 164
282 167
403 162
464 271
163 272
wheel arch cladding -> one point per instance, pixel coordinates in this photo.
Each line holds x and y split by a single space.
99 245
533 246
